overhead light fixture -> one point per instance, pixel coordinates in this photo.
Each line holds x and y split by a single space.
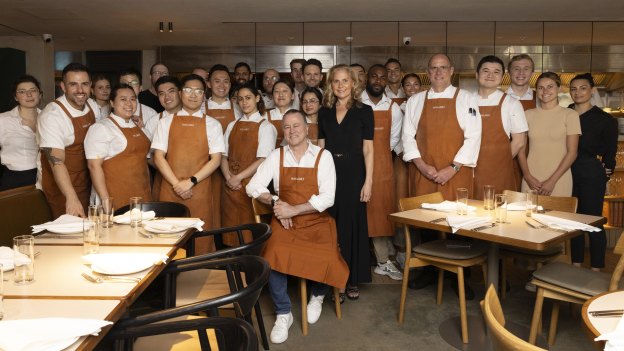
170 27
161 27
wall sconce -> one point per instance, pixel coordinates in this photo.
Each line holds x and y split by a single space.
170 27
161 26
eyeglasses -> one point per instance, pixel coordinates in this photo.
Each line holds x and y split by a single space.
190 91
266 79
307 102
28 92
160 73
133 83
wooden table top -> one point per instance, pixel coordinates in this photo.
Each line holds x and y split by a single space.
606 301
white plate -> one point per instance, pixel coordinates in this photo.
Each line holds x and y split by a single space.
67 230
122 263
177 229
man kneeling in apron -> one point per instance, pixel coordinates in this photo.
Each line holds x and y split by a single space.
304 240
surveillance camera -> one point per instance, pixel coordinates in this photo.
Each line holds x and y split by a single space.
407 40
47 38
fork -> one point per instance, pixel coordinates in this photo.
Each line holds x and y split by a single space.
155 235
487 226
544 226
98 280
438 220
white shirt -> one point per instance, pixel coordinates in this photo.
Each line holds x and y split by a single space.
269 170
267 134
150 119
55 130
390 94
397 116
103 110
470 124
512 112
225 105
18 143
268 100
528 95
104 140
296 103
214 133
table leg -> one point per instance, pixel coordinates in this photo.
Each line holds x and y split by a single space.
493 258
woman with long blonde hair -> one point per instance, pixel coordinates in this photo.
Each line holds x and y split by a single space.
346 128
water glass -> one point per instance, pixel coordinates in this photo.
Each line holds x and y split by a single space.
106 212
24 259
531 202
90 236
488 197
93 213
500 208
462 201
136 211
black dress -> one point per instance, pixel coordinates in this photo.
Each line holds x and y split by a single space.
599 138
345 142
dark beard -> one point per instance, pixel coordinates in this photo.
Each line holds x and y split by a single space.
373 93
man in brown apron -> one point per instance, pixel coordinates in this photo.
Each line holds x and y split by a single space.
388 120
62 128
187 151
441 135
501 117
304 242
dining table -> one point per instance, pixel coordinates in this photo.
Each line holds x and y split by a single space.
598 325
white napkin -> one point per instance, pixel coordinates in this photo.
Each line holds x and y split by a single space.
8 257
565 224
125 218
65 221
520 206
174 224
615 339
445 206
466 222
46 334
123 262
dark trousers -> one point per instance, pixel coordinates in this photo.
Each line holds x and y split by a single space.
589 188
14 179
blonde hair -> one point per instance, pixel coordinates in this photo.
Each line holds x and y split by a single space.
329 99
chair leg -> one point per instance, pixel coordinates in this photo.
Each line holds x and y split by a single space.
537 315
503 282
485 277
304 305
337 303
462 305
403 291
440 286
263 335
554 318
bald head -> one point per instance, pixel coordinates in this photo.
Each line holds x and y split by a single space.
269 78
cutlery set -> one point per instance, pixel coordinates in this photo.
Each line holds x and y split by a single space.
606 313
102 279
544 226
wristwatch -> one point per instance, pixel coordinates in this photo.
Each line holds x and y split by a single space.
274 199
194 180
455 167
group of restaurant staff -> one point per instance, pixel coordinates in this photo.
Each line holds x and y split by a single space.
199 141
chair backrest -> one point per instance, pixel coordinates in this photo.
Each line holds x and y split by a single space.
558 203
260 233
410 203
262 211
514 196
161 208
19 209
501 338
619 267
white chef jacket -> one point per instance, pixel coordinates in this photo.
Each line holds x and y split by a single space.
226 105
104 110
390 94
268 100
397 116
296 102
514 120
214 133
469 123
267 134
18 143
150 119
104 140
55 130
269 170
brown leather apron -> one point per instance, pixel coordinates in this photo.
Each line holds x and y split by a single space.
157 176
236 205
310 248
277 123
382 201
398 101
313 133
526 105
130 164
439 137
529 104
223 116
76 164
187 153
495 165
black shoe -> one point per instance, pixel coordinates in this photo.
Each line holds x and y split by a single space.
467 290
424 279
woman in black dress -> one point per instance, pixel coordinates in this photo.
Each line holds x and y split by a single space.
346 128
590 174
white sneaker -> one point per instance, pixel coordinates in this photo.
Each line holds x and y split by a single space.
315 306
400 258
279 333
389 269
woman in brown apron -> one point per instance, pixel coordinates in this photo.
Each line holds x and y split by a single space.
119 171
248 141
283 96
311 100
192 154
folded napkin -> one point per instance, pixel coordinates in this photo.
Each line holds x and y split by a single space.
8 257
565 224
125 218
123 262
466 222
173 224
46 334
615 339
520 206
64 222
446 206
